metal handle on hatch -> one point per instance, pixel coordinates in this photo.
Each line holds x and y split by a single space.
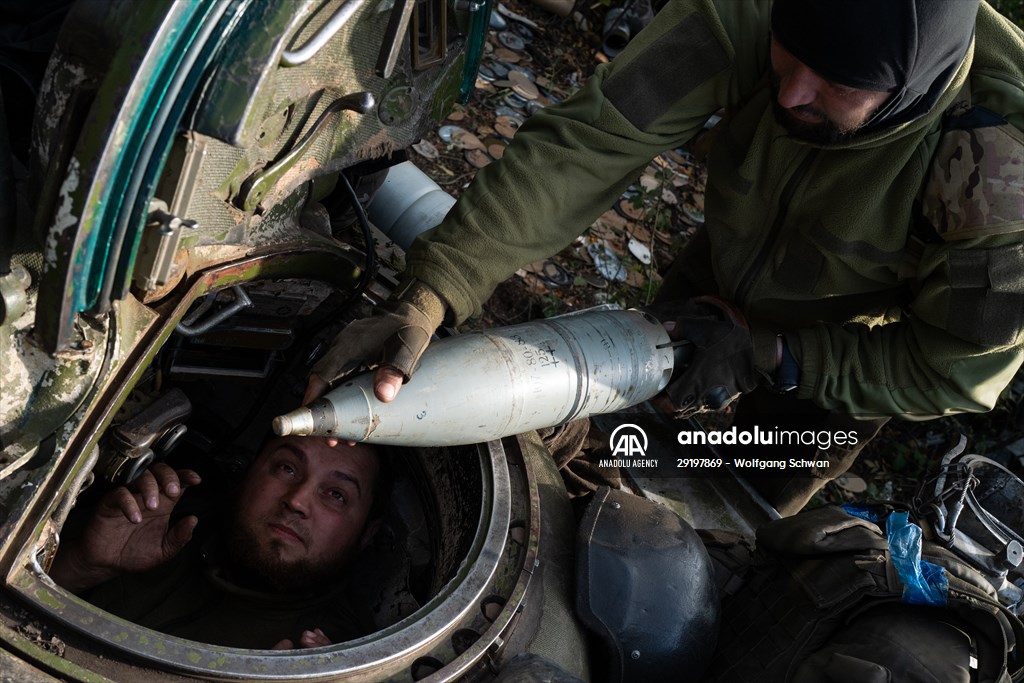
321 37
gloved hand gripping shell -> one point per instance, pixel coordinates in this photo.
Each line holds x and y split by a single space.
721 357
396 334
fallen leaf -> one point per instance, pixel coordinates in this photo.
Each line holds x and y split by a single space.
581 249
537 267
640 251
463 139
629 211
506 12
635 278
484 86
693 214
611 218
639 232
606 261
649 183
506 126
533 285
496 149
477 157
661 161
526 89
506 55
426 149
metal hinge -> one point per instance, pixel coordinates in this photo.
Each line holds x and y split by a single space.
159 245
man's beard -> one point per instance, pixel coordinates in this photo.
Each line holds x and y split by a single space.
256 565
824 132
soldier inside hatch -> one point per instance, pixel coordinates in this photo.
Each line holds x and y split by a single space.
269 573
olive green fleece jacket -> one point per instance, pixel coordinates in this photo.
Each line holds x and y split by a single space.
893 263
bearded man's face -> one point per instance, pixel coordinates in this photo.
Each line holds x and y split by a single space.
301 513
814 109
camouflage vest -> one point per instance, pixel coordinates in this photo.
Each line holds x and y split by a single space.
818 571
975 186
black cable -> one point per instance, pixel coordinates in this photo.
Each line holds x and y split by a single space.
270 383
364 223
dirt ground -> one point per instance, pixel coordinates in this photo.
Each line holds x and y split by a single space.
644 230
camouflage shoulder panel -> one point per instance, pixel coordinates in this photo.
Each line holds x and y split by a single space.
975 185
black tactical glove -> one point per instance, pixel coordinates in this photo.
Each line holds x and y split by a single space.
396 334
717 363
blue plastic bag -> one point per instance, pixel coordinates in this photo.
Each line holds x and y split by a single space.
868 512
924 583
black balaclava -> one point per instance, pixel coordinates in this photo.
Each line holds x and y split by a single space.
911 48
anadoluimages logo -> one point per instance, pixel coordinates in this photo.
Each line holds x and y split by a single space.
628 441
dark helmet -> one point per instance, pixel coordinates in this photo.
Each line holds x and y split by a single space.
646 587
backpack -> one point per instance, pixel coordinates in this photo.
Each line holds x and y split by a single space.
821 600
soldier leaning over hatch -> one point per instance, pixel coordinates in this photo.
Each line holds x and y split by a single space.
864 240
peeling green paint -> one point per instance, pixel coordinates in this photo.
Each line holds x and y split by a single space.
217 663
49 599
41 392
447 92
129 109
233 182
235 109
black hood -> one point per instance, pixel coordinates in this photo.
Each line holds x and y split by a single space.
911 48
